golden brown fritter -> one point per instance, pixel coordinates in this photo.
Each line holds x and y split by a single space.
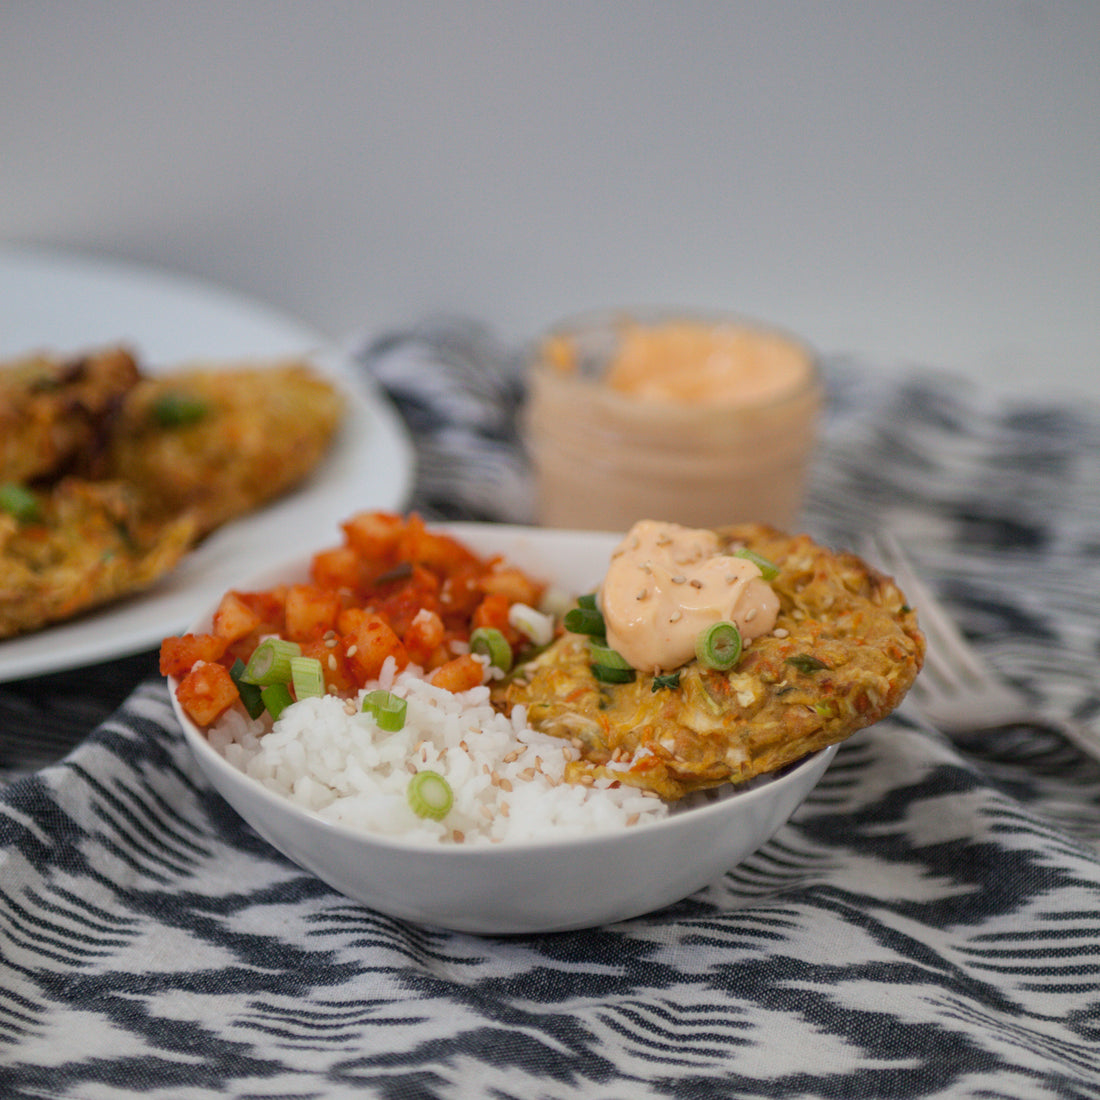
56 412
88 544
845 650
129 472
218 443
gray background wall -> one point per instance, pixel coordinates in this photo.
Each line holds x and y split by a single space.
912 182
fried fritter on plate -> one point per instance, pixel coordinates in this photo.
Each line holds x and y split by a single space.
127 472
56 412
218 443
87 543
844 651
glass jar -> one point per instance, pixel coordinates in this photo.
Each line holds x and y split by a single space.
696 419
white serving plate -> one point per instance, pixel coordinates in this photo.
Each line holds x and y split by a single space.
65 303
516 888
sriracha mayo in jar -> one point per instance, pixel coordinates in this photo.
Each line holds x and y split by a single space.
694 419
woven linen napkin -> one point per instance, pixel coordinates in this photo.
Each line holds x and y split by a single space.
927 924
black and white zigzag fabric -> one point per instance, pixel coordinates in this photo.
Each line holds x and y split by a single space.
927 925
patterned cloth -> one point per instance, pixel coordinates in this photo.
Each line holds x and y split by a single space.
927 925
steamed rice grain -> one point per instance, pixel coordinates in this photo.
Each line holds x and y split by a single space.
329 757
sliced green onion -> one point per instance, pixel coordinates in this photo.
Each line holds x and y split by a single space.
270 662
608 674
387 709
606 656
276 698
531 623
584 620
719 646
19 501
666 680
176 410
250 694
430 795
489 642
307 676
807 662
401 571
587 601
768 569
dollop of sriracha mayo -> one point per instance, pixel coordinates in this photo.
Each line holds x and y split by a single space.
667 583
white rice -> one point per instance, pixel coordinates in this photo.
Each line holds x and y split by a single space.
507 778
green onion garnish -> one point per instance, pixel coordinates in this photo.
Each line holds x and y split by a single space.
177 410
604 655
19 501
307 676
489 642
531 623
669 680
276 698
249 693
587 601
807 662
719 646
608 674
768 569
270 662
387 709
584 620
430 795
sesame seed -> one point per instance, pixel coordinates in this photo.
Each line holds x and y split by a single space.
781 632
696 583
633 819
512 757
587 780
332 662
679 579
750 614
505 785
352 650
642 593
676 616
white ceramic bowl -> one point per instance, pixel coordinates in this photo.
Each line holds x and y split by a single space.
519 888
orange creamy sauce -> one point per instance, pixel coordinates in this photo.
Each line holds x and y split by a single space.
685 361
667 583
